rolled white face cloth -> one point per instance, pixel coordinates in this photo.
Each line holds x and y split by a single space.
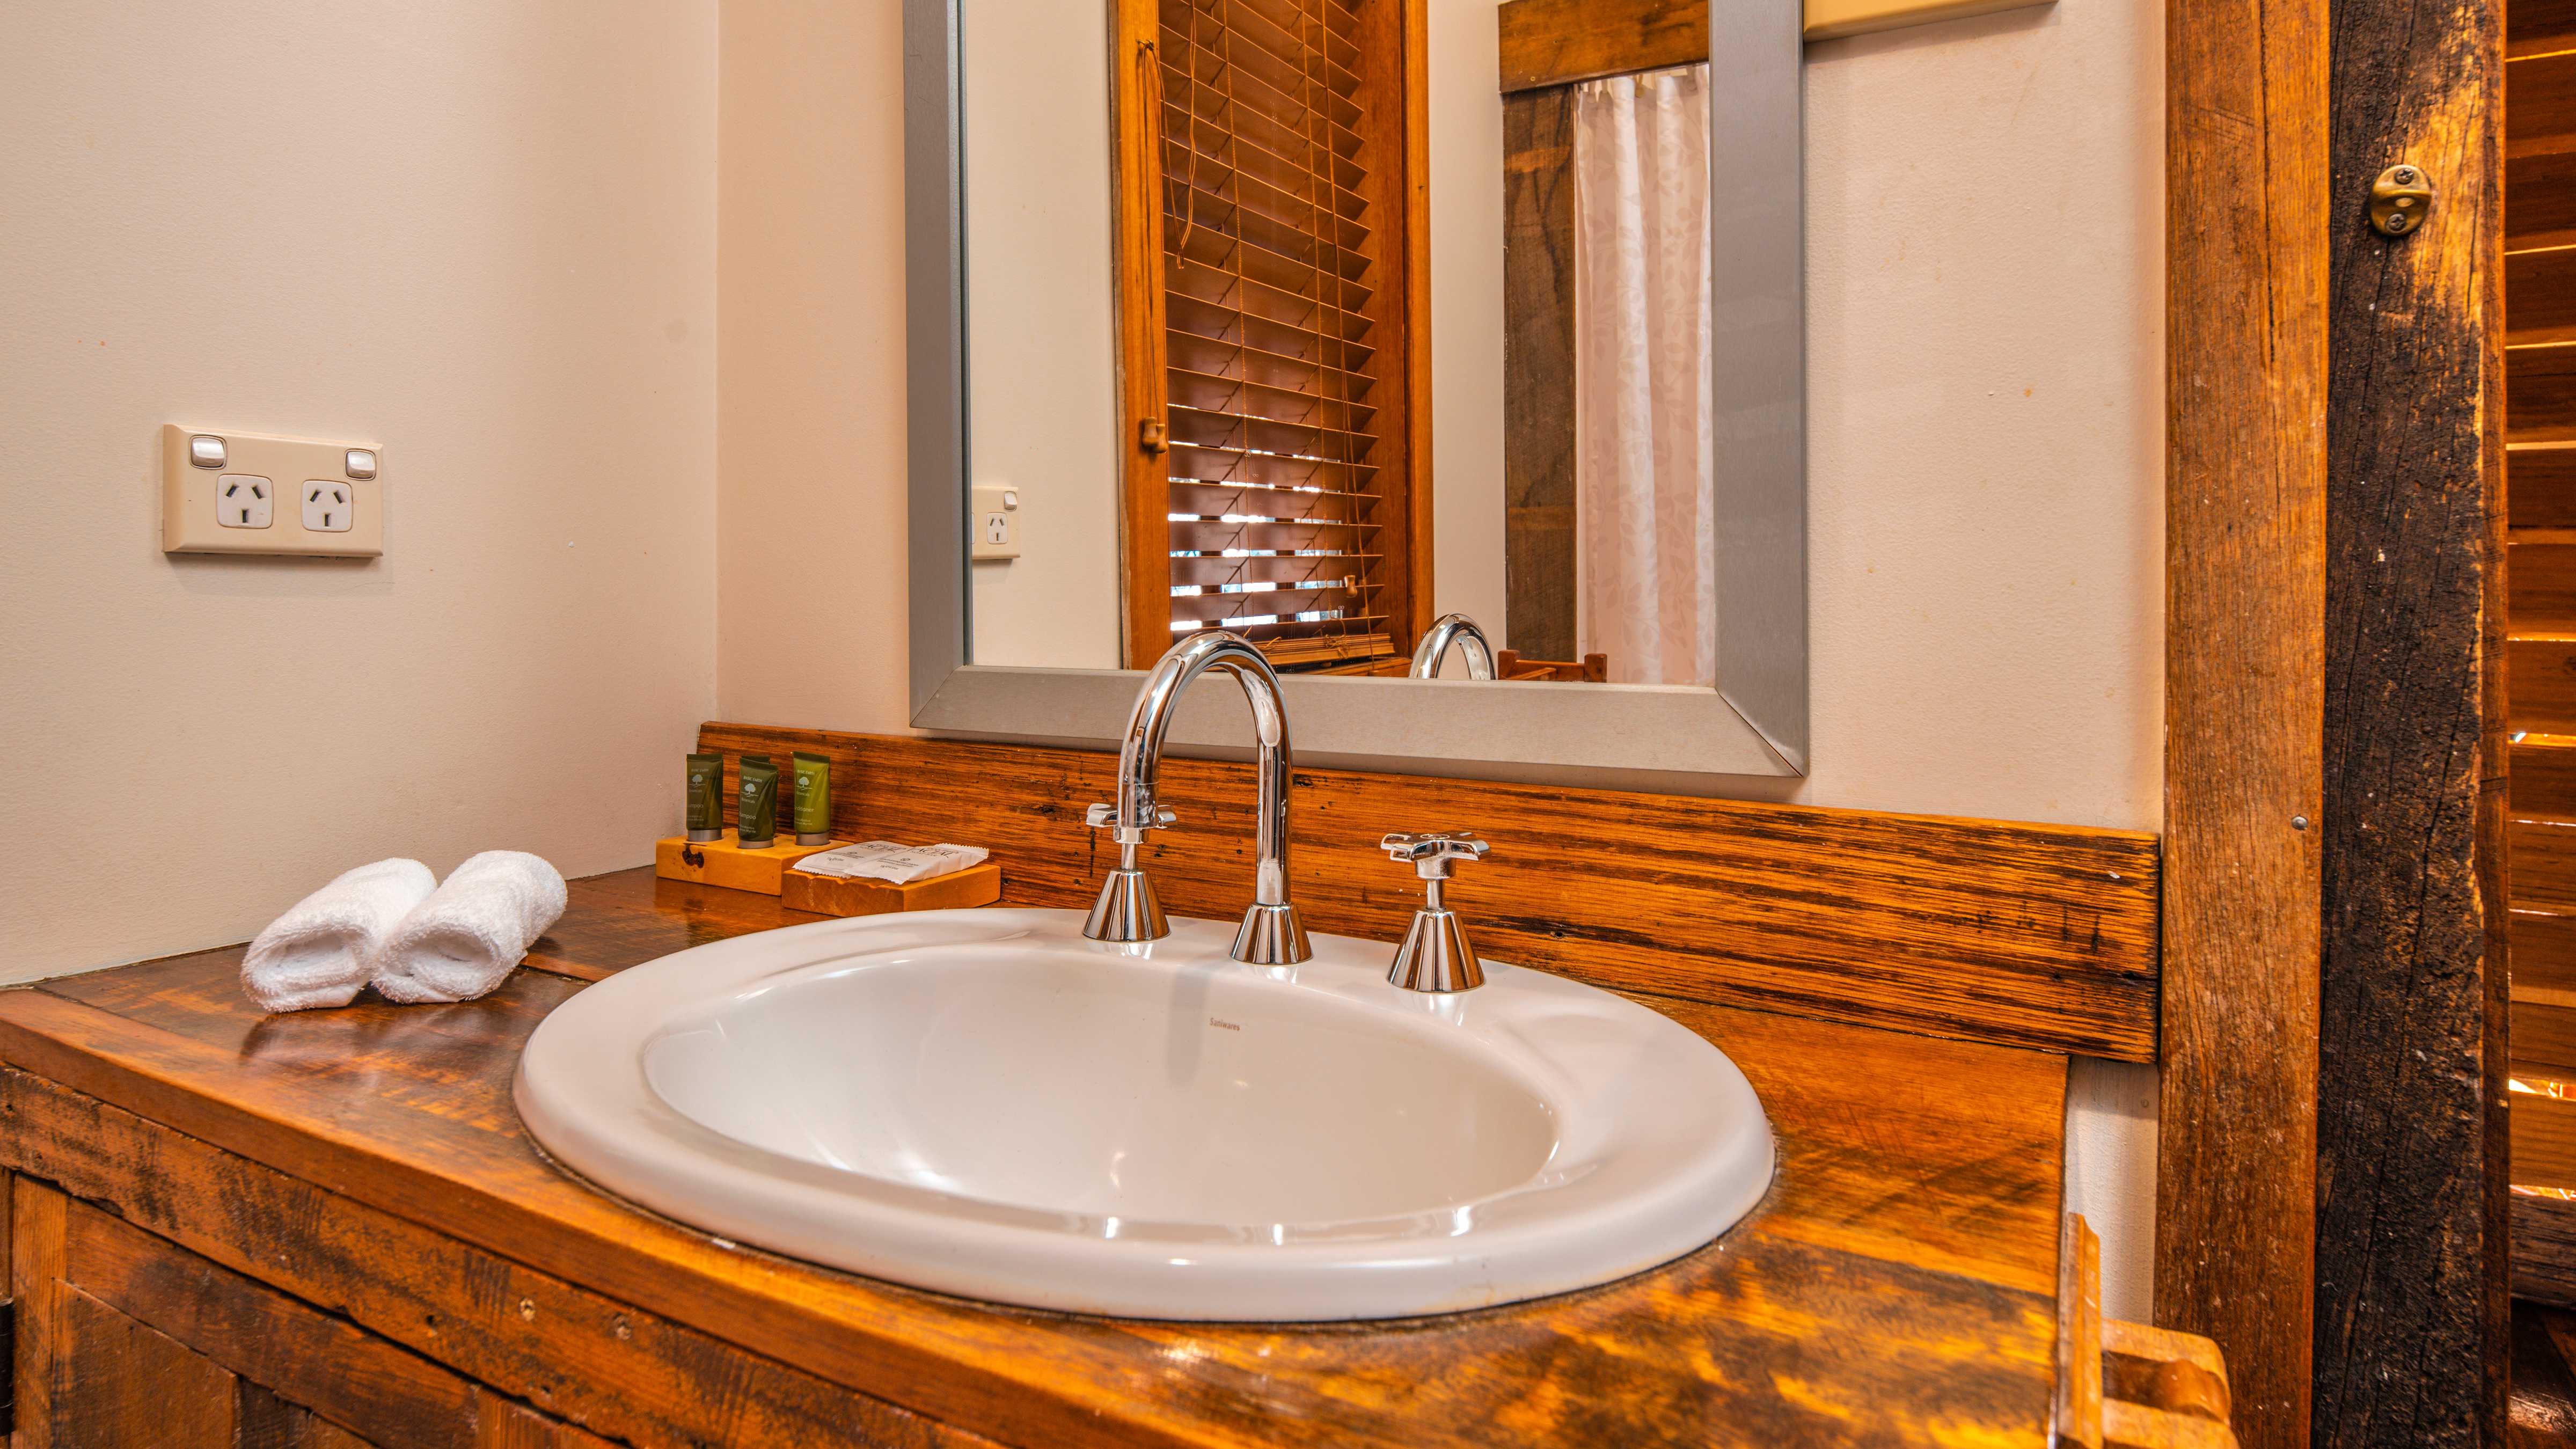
323 949
472 931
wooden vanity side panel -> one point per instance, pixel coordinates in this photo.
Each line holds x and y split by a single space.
226 1257
2039 936
136 1340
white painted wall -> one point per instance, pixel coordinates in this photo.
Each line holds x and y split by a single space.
1042 328
810 384
480 233
1985 220
1466 146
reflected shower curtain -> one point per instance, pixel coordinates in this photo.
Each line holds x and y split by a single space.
1646 536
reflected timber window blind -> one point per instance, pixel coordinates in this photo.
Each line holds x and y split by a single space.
1277 146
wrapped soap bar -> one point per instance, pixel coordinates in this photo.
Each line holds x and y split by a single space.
898 864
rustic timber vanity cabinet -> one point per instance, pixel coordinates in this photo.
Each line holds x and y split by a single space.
329 1228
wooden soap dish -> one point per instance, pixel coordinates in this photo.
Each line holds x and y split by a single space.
725 863
832 895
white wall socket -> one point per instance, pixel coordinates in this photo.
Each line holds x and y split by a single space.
326 504
996 520
220 494
244 500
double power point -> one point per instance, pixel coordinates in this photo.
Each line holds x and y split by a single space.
220 493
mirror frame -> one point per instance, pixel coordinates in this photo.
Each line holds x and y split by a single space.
1671 737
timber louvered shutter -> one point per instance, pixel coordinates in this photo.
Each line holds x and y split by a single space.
1271 266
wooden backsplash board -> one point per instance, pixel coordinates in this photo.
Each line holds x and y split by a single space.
2039 936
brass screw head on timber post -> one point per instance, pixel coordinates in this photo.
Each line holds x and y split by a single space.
2400 200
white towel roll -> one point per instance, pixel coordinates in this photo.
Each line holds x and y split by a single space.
323 949
472 931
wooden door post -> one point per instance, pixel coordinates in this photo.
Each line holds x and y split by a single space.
2411 1206
2245 117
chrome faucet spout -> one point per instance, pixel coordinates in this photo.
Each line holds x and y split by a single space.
1454 629
1271 934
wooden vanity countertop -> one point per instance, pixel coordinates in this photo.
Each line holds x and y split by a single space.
1897 1286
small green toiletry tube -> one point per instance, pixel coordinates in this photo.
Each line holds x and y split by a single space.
706 798
756 812
813 799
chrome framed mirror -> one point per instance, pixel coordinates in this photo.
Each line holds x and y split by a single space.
1329 321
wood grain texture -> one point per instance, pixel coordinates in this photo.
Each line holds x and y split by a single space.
123 1385
2542 377
422 1327
2541 616
36 1241
2543 189
631 917
366 1262
2542 593
2544 1249
1590 669
1413 611
1559 42
834 895
110 1379
1900 1274
242 1364
2544 1141
1538 371
2079 1335
2543 853
726 863
2544 955
390 1398
2541 483
2411 1182
2129 1385
2540 104
2544 1390
2542 674
2203 1390
2537 27
262 1420
2024 935
2543 775
2544 1049
1144 530
2245 286
2540 287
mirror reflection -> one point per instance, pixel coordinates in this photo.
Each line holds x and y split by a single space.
1375 331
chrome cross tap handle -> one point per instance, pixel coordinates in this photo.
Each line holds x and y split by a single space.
1433 853
1435 955
1104 816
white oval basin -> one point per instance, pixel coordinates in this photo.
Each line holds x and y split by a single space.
984 1103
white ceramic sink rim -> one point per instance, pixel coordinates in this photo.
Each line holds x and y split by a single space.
1606 1139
